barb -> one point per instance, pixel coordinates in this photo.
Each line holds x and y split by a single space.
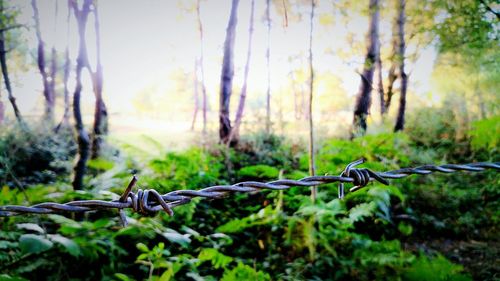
149 201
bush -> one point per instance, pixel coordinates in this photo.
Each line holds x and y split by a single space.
432 127
35 155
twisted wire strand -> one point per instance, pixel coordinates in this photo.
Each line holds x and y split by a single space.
149 201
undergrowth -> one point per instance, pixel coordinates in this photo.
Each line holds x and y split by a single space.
408 230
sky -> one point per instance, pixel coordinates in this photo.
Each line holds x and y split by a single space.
145 42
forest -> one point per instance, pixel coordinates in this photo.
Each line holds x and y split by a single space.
249 140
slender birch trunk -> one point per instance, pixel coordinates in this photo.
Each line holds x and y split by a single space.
202 71
195 94
268 64
393 74
41 62
5 71
66 71
235 131
312 161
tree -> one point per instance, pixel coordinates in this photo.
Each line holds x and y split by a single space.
100 127
66 68
199 79
195 94
268 64
82 136
235 130
400 120
53 59
312 162
48 93
392 76
468 47
227 74
380 86
201 65
363 100
7 22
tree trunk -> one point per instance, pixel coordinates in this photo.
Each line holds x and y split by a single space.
2 110
227 74
380 81
82 61
46 79
363 100
53 74
400 121
202 70
235 131
67 67
196 94
268 63
312 162
5 72
392 76
100 114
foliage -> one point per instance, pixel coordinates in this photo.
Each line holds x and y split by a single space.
438 268
244 272
191 169
375 233
485 134
34 155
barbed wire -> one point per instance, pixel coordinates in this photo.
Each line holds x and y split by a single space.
150 202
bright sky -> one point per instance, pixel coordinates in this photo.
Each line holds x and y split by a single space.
144 42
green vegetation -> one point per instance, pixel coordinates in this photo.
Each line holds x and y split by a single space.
419 228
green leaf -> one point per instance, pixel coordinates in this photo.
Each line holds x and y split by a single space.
8 244
5 277
217 259
30 226
71 247
65 221
34 244
167 275
175 237
362 210
123 277
142 256
405 228
101 223
142 247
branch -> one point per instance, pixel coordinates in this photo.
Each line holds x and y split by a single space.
11 27
490 9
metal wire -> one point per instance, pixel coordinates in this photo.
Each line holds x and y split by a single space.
149 201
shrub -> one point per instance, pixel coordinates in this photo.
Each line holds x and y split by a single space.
35 155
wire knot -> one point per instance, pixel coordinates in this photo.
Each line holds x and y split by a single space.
361 177
146 202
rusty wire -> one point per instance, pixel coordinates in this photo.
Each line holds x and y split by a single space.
149 201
